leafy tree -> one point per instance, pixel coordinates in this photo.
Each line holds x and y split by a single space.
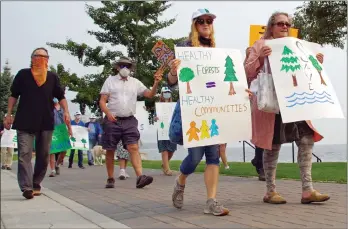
230 74
84 142
290 62
317 66
127 23
186 75
73 140
162 125
5 86
322 22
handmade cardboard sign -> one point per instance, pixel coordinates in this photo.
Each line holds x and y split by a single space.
303 88
257 31
80 138
163 53
215 108
164 112
9 138
143 118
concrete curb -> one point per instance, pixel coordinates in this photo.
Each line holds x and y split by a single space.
94 217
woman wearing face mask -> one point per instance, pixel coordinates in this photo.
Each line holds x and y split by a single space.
269 130
166 147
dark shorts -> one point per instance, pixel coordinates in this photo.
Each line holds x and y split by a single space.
124 129
166 145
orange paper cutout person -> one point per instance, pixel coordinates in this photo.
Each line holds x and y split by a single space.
192 132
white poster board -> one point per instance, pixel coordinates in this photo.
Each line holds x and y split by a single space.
80 138
9 138
303 88
143 117
164 112
215 108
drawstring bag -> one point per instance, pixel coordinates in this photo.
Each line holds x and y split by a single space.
175 128
266 94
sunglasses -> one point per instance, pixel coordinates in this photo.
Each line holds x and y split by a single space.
201 21
125 66
44 56
282 24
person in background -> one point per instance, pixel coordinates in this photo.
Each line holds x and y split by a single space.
35 88
222 152
77 121
257 161
121 91
55 159
122 155
6 152
166 147
94 136
269 130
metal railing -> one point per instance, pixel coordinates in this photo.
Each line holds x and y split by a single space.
293 152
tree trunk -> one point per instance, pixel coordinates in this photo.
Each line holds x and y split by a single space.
294 80
232 91
188 90
321 78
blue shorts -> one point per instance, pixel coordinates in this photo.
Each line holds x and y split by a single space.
166 145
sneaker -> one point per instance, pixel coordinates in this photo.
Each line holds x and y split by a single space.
215 208
37 192
110 183
122 175
28 194
143 180
127 176
178 195
227 167
82 167
70 166
8 168
3 167
57 170
52 174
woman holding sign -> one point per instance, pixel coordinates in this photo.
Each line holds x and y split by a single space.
269 132
202 35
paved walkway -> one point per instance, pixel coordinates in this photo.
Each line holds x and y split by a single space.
151 207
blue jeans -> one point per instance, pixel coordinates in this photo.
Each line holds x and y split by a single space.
195 156
92 143
80 157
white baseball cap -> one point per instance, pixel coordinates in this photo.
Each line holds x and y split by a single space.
201 12
165 89
77 113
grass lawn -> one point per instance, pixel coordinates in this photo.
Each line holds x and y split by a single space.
321 172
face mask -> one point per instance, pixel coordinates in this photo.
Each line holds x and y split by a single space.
92 120
124 72
77 117
55 100
39 66
167 95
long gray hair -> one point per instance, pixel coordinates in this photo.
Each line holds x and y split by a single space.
268 33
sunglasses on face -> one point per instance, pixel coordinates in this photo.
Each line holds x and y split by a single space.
282 24
125 66
39 55
201 21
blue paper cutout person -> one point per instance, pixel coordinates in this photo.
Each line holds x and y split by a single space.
214 128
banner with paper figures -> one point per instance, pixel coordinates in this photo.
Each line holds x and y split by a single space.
9 138
80 138
164 112
303 87
257 31
215 108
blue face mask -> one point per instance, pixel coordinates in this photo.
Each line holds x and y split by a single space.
167 95
55 100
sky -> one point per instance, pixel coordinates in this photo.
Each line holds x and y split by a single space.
28 25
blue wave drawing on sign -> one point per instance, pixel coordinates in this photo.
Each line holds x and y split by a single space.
297 99
305 93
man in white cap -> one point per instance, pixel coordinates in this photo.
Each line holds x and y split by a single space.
120 92
94 136
77 121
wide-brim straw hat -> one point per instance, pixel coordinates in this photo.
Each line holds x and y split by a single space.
125 60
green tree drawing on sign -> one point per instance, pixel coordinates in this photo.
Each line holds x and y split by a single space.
317 66
230 74
186 75
73 140
84 142
162 125
290 63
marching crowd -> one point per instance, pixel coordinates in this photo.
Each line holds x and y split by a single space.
42 105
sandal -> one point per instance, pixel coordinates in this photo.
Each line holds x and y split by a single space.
167 172
315 197
274 198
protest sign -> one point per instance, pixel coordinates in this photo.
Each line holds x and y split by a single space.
143 117
163 53
9 138
164 112
303 88
215 108
80 138
257 31
60 139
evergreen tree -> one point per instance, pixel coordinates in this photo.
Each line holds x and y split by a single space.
317 66
230 74
290 62
132 24
5 86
